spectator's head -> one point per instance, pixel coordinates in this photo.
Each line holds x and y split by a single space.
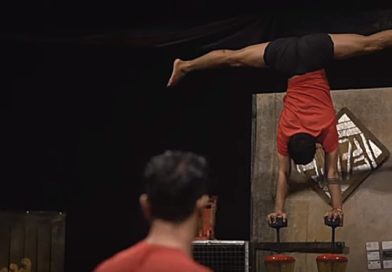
302 148
176 186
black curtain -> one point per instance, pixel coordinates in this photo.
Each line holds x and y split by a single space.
84 108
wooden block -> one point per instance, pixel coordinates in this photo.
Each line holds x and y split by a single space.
32 241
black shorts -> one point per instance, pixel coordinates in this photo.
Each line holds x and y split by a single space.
299 55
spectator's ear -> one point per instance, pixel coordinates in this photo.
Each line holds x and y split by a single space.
202 202
145 205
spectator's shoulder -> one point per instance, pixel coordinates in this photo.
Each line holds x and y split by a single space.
124 258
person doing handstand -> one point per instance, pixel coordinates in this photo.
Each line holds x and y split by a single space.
308 116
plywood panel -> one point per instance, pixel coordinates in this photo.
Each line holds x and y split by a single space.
365 210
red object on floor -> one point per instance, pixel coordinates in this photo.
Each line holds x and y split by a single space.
279 258
331 258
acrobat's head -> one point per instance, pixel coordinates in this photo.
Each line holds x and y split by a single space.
302 148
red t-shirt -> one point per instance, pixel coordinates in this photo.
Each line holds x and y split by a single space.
145 257
308 108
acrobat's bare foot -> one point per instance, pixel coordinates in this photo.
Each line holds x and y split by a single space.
177 74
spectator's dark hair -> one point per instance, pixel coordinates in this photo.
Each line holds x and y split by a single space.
175 180
302 147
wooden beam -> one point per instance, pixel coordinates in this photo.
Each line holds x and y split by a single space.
302 247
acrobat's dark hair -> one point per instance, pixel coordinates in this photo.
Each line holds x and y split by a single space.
302 148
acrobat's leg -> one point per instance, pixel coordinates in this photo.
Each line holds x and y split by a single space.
351 45
251 56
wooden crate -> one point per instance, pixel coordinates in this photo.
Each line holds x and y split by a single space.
32 241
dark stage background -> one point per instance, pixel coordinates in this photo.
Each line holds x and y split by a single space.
84 105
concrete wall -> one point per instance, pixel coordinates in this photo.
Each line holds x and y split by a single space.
367 211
